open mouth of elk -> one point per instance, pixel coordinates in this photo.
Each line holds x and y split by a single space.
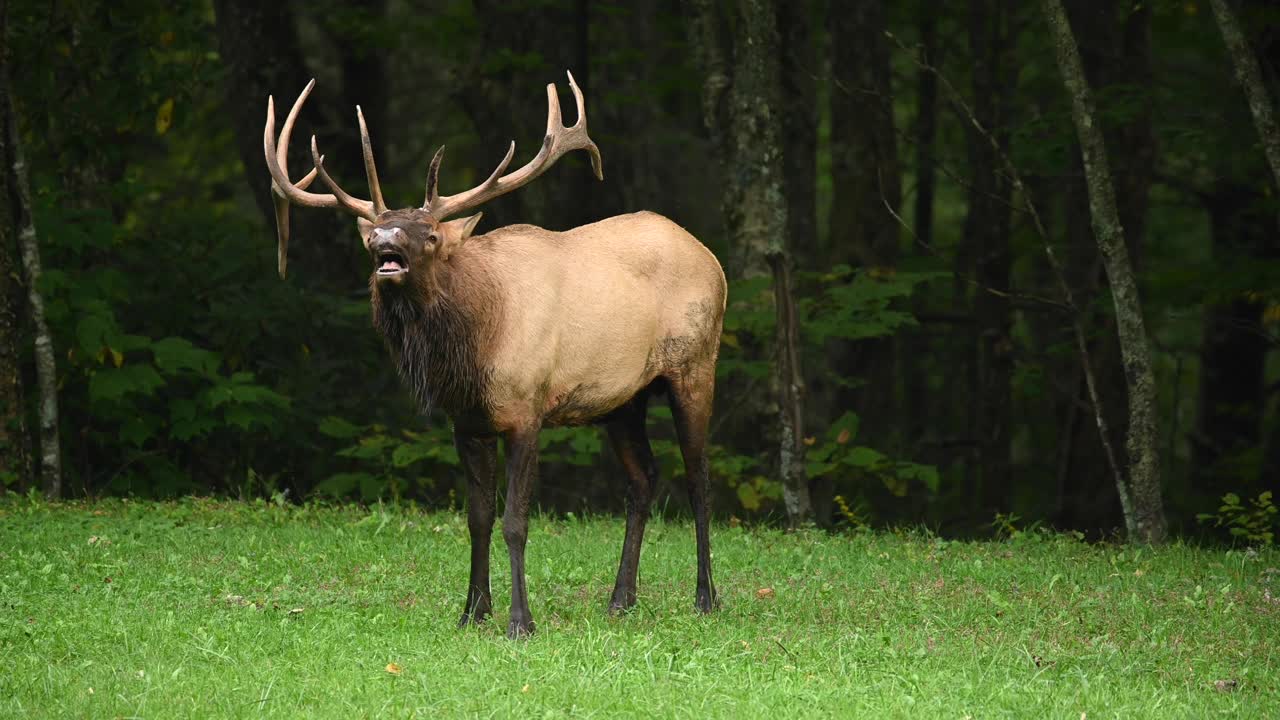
391 263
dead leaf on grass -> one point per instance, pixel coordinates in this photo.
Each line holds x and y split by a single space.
525 689
1226 685
765 593
394 669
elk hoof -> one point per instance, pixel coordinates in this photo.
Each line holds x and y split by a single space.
476 611
706 602
519 629
470 619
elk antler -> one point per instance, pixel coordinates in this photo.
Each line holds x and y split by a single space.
559 140
285 192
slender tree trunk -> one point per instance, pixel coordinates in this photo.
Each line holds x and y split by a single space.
1250 77
741 110
1145 519
46 368
799 155
1115 49
795 484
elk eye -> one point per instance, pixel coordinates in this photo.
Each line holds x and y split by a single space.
432 239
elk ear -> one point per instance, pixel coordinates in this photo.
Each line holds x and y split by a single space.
364 227
456 232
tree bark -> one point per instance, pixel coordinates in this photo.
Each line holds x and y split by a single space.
46 367
741 110
795 483
1249 76
1144 512
1115 49
799 155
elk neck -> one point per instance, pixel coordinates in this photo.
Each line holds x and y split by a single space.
438 326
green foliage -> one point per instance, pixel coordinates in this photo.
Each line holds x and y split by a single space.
845 304
861 304
837 456
1255 523
386 465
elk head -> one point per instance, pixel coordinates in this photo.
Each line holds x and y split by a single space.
401 241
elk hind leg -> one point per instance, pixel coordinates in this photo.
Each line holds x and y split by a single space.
691 395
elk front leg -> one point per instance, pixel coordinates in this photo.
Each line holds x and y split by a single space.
479 460
522 473
631 444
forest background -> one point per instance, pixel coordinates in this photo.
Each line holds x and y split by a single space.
888 175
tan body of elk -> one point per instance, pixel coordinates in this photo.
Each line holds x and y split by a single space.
522 328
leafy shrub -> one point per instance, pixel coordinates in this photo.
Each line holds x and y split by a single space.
1255 523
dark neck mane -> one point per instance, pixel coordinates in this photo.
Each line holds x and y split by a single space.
436 336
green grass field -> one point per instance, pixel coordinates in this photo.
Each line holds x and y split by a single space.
219 609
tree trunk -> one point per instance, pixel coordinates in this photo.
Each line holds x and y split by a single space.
46 368
799 156
1115 49
741 110
795 484
1250 77
1144 510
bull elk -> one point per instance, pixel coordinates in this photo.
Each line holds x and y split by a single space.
523 328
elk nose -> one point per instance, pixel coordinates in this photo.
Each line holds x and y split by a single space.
385 236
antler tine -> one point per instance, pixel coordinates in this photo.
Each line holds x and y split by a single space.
362 208
558 141
370 169
495 176
433 178
597 164
286 132
555 123
281 184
